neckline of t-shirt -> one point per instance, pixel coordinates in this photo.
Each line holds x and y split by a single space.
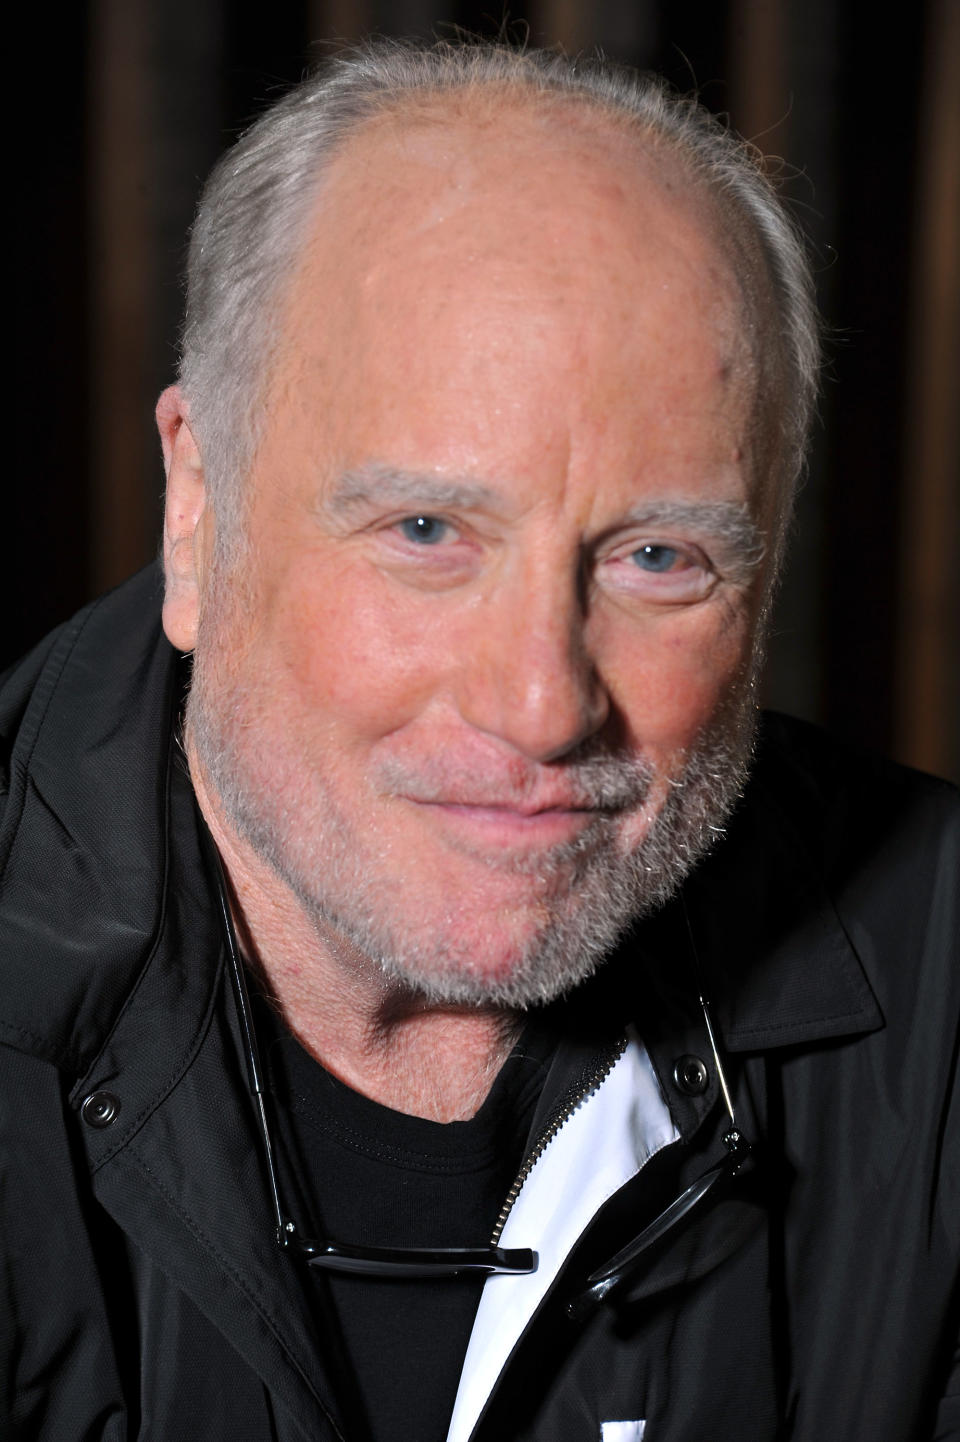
314 1095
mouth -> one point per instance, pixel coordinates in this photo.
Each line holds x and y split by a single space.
511 825
520 815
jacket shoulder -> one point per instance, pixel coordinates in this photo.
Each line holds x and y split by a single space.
86 722
55 669
884 841
18 684
830 765
851 808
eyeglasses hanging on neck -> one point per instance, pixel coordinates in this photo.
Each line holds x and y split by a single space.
325 1254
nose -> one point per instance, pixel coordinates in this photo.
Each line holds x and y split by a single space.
529 678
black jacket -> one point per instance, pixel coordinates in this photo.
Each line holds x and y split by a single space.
813 1298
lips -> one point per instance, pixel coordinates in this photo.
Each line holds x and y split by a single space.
601 784
498 807
508 828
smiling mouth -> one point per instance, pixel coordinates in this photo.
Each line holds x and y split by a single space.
520 809
511 825
586 787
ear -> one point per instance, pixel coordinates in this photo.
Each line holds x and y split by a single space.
187 527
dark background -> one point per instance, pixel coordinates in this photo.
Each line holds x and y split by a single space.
120 107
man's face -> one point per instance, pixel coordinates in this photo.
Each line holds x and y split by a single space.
482 689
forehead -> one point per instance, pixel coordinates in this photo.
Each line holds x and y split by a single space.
550 192
465 271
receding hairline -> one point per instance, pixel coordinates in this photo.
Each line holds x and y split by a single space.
480 105
752 316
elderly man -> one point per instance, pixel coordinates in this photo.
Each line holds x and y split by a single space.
388 1059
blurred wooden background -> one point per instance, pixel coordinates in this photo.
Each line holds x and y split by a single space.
119 107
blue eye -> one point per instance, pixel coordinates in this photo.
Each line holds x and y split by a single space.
655 558
424 530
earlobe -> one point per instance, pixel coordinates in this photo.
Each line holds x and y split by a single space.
183 529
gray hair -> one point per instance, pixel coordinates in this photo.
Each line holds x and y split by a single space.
259 200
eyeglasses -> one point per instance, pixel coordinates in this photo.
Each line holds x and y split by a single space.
325 1254
330 1256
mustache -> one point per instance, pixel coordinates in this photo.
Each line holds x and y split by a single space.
591 780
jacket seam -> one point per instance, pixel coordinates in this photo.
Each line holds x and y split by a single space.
819 1019
252 1296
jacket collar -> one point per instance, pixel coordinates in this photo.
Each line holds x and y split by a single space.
758 927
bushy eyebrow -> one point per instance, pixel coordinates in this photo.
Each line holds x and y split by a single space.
385 485
724 524
727 524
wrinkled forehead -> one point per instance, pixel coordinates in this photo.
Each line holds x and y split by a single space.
452 219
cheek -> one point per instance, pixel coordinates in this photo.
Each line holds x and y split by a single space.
668 683
339 649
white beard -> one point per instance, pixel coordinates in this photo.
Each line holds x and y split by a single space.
351 885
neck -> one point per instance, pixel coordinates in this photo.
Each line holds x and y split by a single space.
433 1061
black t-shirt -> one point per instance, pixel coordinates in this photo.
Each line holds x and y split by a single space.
361 1173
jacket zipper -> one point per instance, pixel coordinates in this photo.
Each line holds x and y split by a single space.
589 1083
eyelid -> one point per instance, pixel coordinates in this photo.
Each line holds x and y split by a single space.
690 580
451 546
685 549
426 564
683 553
449 528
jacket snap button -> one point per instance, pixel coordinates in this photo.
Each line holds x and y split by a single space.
691 1076
100 1109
